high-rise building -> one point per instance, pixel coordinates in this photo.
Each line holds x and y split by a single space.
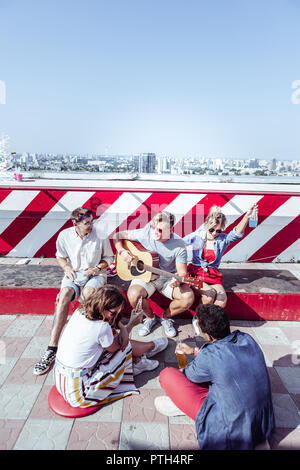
147 162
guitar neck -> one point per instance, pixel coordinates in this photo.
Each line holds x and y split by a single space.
160 272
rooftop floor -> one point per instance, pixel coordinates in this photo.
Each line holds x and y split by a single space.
27 423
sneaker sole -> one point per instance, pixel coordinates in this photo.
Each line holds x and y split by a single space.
42 372
161 409
146 370
150 354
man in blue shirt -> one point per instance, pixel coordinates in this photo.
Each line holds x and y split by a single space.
225 389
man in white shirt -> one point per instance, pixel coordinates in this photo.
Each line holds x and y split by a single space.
83 254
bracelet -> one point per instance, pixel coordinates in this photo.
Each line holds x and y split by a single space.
196 351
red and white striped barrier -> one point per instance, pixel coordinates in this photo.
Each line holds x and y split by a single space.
32 216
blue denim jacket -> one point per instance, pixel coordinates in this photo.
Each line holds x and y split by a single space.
238 411
198 238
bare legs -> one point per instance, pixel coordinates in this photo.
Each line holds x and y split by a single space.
183 298
220 297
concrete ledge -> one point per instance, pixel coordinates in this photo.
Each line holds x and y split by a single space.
253 294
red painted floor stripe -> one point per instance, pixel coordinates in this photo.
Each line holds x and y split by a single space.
240 306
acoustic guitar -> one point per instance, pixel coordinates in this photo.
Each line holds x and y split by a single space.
144 266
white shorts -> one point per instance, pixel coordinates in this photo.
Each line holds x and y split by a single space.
161 284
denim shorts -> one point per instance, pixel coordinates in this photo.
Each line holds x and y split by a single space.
80 282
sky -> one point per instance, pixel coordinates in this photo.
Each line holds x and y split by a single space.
180 78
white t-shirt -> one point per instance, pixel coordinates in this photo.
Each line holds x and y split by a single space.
85 253
83 340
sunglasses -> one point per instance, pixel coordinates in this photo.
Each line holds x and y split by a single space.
160 230
212 230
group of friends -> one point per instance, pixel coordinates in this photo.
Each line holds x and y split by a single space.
225 389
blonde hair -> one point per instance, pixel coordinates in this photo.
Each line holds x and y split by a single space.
215 217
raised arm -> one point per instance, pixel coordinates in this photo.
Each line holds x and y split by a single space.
240 227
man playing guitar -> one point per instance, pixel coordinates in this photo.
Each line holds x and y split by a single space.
157 236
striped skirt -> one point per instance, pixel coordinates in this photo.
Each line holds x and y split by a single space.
110 379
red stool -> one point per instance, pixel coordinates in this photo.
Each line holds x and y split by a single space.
59 406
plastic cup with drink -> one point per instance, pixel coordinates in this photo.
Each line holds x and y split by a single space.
181 357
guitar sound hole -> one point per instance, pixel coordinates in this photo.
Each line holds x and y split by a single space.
140 265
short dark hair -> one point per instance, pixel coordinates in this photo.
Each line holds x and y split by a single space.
164 216
213 320
81 213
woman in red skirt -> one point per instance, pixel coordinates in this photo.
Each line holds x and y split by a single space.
209 244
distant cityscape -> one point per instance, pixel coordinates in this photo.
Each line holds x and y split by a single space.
149 163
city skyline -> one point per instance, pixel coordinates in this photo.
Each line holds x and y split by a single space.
149 163
177 78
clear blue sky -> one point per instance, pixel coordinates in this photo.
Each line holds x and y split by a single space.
175 77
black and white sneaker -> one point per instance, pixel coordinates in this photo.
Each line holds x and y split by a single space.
44 363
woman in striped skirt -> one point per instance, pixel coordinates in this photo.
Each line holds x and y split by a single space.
95 361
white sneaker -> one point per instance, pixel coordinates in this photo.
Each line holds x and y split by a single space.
166 407
195 325
144 365
167 324
159 345
147 326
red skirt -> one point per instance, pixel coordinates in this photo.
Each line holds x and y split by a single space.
211 276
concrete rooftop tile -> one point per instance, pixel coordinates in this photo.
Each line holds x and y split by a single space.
94 436
144 436
290 377
183 437
271 335
9 432
285 439
44 434
286 413
16 402
23 326
140 408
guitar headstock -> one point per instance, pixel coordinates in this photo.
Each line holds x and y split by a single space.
194 281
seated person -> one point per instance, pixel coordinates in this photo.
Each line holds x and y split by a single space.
158 236
83 254
225 389
94 364
209 243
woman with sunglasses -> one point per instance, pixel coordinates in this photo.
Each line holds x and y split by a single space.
209 244
95 362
